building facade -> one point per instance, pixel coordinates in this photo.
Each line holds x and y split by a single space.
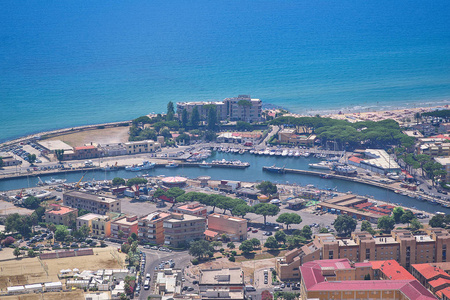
146 146
194 208
221 284
402 246
123 227
60 215
99 225
91 203
182 228
234 227
151 229
241 108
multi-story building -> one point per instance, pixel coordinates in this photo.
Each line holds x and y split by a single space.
146 146
91 203
168 282
194 208
126 224
234 227
291 136
99 225
433 147
338 279
60 215
432 277
402 246
221 284
445 162
241 108
150 227
182 228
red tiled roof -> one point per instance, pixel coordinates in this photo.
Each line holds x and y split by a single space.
355 159
85 147
441 136
211 233
392 270
428 271
60 210
445 292
439 282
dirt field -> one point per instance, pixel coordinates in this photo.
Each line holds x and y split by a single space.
100 136
74 295
7 208
33 270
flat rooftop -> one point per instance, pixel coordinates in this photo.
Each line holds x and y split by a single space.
233 276
53 145
423 238
125 222
347 242
91 216
182 218
385 240
192 207
91 197
229 218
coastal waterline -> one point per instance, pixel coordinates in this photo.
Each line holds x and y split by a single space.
251 174
114 61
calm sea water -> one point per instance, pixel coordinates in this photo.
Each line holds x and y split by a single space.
67 63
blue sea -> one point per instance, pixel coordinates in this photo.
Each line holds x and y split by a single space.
68 63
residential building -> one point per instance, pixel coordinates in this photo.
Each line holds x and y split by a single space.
125 224
291 136
9 160
235 228
146 146
338 279
92 203
221 284
241 108
168 282
389 270
445 162
433 146
151 229
60 215
432 277
239 137
194 208
183 228
113 149
402 246
99 225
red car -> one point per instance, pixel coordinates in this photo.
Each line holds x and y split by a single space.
255 230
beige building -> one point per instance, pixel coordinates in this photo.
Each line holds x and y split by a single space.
91 203
60 215
126 224
146 146
99 225
194 208
241 108
182 228
150 227
221 284
445 162
168 282
433 147
402 246
234 227
288 135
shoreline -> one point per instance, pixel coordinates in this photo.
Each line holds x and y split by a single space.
355 115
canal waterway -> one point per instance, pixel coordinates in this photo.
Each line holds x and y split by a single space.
250 174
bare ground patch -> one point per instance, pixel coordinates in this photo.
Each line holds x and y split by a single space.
100 136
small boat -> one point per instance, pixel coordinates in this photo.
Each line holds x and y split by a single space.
297 153
284 153
172 164
326 176
306 154
109 168
275 169
204 164
133 168
146 165
55 181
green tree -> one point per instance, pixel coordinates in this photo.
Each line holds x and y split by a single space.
134 236
195 117
415 225
366 226
345 224
256 243
184 137
212 118
136 181
267 188
241 210
397 213
306 232
31 253
243 126
31 202
59 154
295 241
200 248
280 236
231 245
184 118
386 223
246 247
17 223
210 136
266 209
323 230
117 181
31 158
16 252
61 232
289 218
437 221
170 111
271 243
407 217
367 277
